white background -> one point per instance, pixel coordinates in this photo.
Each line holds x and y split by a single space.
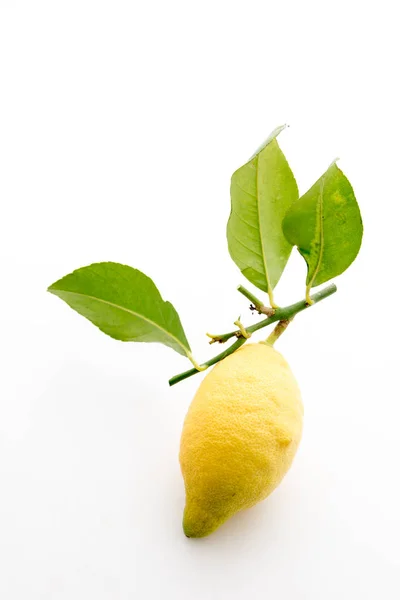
120 125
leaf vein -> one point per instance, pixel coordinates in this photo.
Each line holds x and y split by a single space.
135 314
243 190
244 220
245 246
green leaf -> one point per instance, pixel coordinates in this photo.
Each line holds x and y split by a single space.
123 303
325 224
262 190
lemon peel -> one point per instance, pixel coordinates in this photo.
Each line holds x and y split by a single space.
240 436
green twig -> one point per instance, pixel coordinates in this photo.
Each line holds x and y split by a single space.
210 362
253 299
257 304
281 314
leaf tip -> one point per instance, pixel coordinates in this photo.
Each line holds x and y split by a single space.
333 163
52 288
272 136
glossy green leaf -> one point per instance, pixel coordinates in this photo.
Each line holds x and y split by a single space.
325 224
262 190
124 303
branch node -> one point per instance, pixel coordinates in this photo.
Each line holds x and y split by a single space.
266 310
243 332
214 338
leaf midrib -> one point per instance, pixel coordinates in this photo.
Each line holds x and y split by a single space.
264 258
321 233
132 312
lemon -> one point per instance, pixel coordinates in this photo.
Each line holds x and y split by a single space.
239 437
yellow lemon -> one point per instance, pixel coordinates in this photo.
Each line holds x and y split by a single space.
240 435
